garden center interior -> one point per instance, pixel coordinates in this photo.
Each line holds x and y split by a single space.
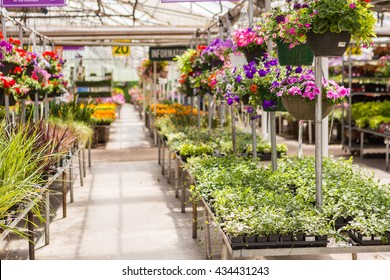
195 130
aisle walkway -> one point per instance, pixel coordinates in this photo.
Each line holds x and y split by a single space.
125 210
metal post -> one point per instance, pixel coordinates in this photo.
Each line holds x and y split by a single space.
234 136
89 151
349 103
318 136
325 121
198 109
194 217
211 104
144 99
250 12
80 171
64 194
31 243
221 114
47 218
310 128
254 139
207 235
264 124
46 103
300 132
273 141
155 86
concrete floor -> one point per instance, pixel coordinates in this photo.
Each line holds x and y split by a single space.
126 210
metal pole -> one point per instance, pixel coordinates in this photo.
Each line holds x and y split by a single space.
199 101
211 104
349 103
250 12
221 113
254 139
300 132
318 134
273 142
325 121
144 99
234 136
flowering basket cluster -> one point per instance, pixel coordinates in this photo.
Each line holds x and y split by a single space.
301 82
319 16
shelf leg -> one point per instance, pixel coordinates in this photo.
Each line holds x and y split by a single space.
169 165
64 194
183 192
387 154
80 170
226 254
354 256
194 218
361 144
207 235
177 177
47 218
31 244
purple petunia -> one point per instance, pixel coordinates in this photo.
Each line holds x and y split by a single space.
268 104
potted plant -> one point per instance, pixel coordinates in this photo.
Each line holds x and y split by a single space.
251 41
334 22
259 78
298 92
281 27
7 87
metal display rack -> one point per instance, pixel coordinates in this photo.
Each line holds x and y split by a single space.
44 195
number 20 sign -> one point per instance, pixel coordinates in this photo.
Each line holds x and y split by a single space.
121 50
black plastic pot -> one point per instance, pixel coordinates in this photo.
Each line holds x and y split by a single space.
273 237
255 54
11 98
328 43
7 67
250 239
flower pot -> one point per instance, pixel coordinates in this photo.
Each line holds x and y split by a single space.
261 238
255 54
286 237
273 237
11 98
6 67
301 109
245 99
250 239
299 236
29 70
299 55
237 239
41 95
328 43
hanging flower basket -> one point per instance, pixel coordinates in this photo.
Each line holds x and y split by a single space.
11 98
41 95
268 101
299 55
328 43
29 70
255 54
7 67
275 107
301 109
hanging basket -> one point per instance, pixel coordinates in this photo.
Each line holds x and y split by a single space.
11 98
254 54
7 67
299 55
278 107
41 95
328 43
29 70
260 98
301 109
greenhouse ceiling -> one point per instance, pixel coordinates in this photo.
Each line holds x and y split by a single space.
143 22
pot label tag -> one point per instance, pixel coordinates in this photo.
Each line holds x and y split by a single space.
342 44
310 238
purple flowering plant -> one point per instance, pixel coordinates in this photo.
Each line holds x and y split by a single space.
259 78
290 24
216 54
301 82
230 84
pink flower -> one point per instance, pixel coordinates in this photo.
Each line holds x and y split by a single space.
292 31
307 25
352 5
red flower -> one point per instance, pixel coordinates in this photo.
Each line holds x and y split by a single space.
34 77
18 70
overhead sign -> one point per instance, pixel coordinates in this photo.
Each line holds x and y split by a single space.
31 3
166 53
122 50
